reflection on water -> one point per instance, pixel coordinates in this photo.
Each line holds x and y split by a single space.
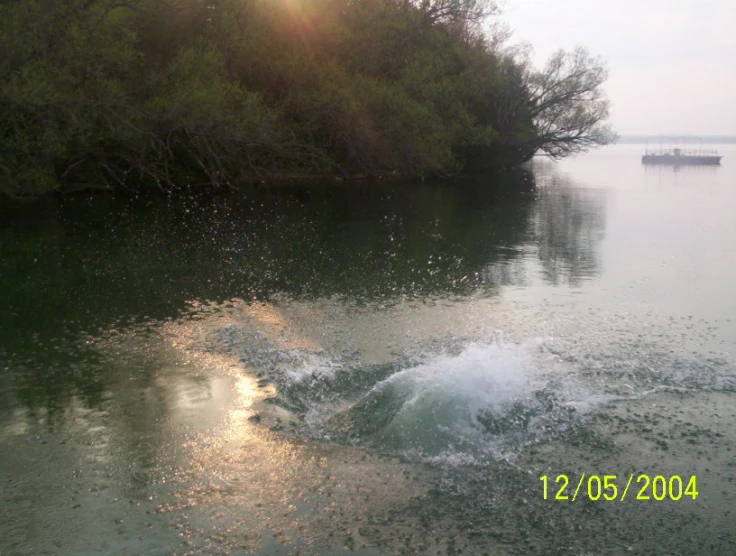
569 225
359 241
665 169
363 368
85 265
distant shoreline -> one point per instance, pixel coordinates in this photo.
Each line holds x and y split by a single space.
682 139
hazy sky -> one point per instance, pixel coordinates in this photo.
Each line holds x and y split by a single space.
672 63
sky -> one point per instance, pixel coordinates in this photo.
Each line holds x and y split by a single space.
671 63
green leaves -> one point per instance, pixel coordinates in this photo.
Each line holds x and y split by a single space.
168 93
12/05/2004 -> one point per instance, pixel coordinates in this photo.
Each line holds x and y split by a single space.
608 487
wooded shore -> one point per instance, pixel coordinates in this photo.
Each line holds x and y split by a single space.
164 94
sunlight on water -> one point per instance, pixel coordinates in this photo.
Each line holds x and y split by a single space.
373 369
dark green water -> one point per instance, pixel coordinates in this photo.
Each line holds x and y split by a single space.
372 368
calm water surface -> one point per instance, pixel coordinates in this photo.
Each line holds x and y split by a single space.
373 368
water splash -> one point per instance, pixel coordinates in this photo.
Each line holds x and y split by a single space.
464 399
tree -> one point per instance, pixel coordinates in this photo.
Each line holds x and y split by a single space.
168 93
468 11
568 105
67 64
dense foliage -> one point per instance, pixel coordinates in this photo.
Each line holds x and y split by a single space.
162 93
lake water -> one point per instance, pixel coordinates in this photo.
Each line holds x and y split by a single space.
375 368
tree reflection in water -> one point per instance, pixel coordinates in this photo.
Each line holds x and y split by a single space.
568 226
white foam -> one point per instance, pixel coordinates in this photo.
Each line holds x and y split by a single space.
481 377
473 399
302 365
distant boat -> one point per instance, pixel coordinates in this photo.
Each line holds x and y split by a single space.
679 157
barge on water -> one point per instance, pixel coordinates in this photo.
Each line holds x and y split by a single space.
679 157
